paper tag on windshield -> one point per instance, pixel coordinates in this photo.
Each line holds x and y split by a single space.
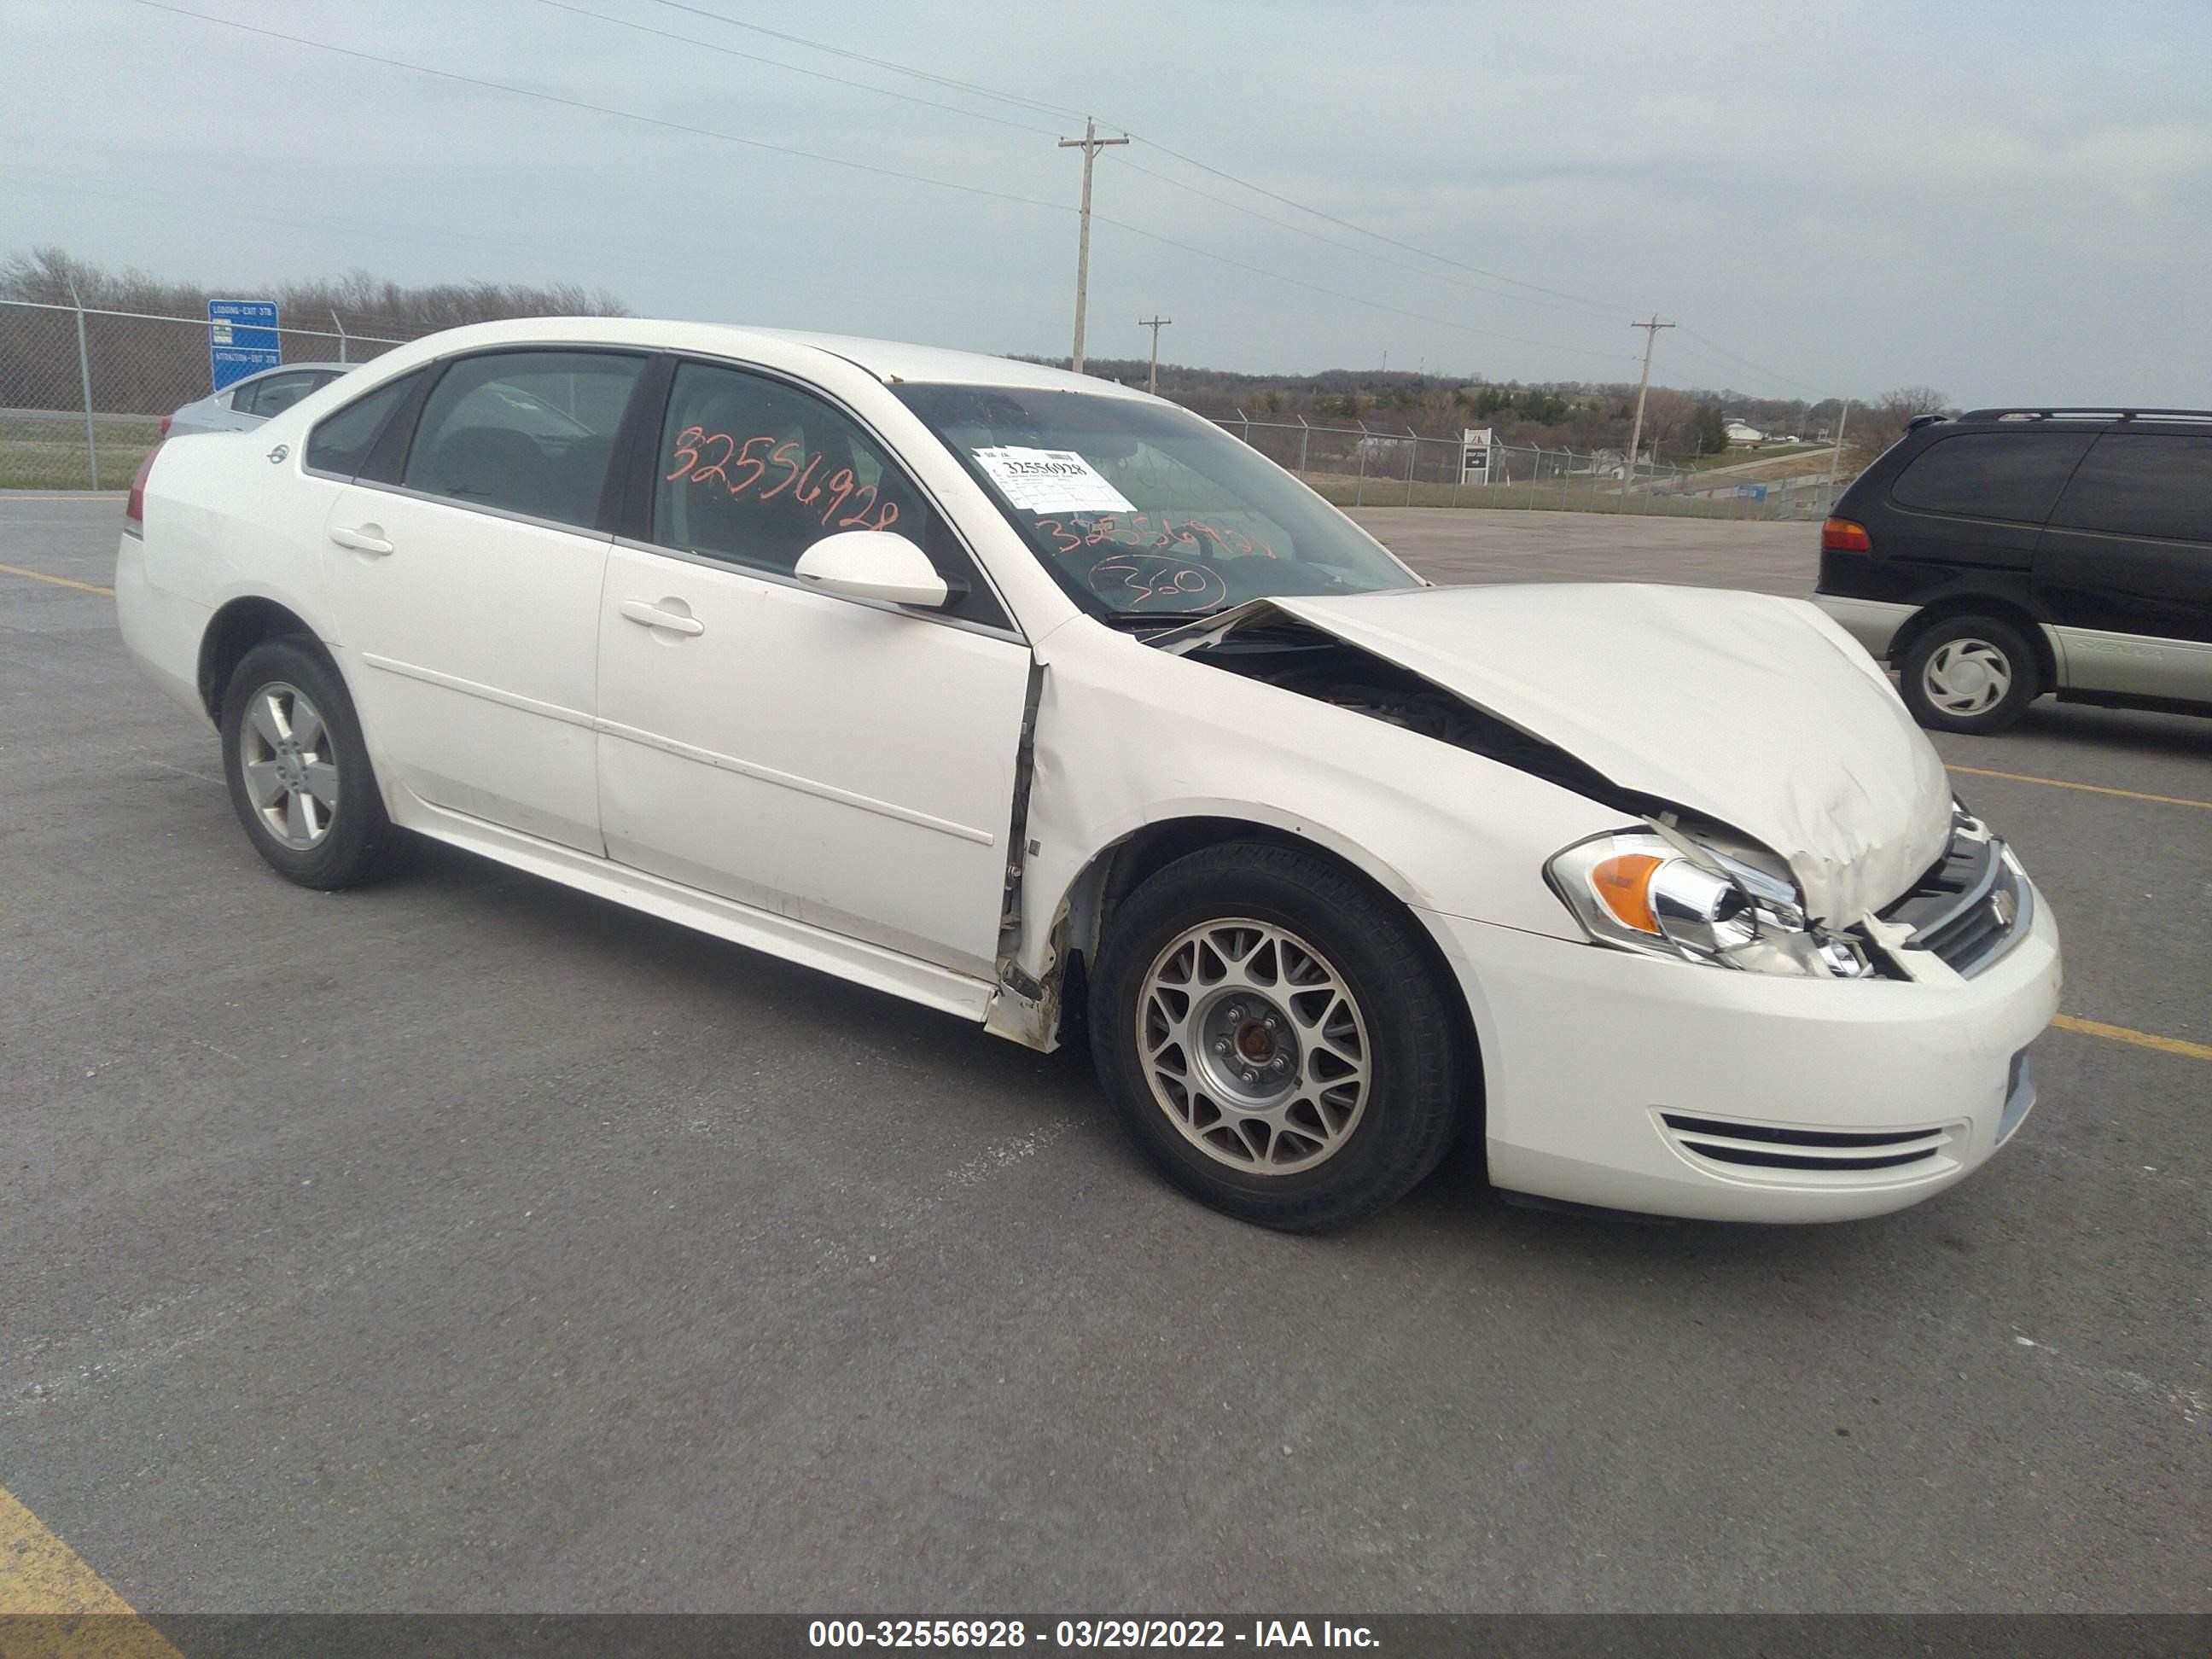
1050 481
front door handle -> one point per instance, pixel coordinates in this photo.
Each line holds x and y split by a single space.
367 539
653 617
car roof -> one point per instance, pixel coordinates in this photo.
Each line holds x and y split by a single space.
287 369
888 360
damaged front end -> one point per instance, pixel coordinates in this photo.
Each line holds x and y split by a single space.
1694 882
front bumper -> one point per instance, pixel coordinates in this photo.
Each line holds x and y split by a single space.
1593 1060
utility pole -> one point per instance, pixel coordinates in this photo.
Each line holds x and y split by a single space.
1636 432
1155 323
1091 144
1836 459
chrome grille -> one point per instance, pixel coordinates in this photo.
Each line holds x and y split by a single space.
1972 906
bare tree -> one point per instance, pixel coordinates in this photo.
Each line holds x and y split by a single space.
1881 424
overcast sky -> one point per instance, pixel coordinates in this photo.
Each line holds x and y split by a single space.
2005 202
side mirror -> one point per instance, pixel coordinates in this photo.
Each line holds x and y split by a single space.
873 564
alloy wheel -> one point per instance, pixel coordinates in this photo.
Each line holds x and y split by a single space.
1253 1045
289 761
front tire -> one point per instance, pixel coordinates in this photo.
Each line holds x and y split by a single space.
1972 674
1278 1038
298 771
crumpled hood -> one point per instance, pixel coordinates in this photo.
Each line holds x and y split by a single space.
1754 710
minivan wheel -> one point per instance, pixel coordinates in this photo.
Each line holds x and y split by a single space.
1276 1037
298 772
1972 674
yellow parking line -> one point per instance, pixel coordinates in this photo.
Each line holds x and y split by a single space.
2166 1045
2094 788
52 1603
58 581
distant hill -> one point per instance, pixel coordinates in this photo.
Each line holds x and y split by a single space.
1556 414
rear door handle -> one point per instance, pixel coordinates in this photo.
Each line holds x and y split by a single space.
364 540
653 617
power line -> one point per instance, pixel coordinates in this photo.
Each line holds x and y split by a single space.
863 167
1782 379
1331 241
1020 126
1241 183
777 62
602 109
1015 98
1358 299
691 131
1024 102
1426 253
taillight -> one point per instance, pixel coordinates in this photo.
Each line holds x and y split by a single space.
1842 536
164 432
134 510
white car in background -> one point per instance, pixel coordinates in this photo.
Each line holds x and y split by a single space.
244 404
1050 705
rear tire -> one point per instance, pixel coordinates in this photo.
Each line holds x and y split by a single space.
1279 1038
299 774
1972 674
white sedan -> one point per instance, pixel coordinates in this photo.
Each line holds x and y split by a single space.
244 404
1052 706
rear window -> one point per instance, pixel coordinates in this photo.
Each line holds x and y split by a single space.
1991 474
2142 484
341 443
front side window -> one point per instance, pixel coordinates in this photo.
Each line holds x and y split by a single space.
2142 484
340 443
528 432
755 471
2014 476
1139 509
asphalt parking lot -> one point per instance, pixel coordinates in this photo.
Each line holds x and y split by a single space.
467 1242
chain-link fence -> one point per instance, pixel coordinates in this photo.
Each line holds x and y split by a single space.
1363 465
82 392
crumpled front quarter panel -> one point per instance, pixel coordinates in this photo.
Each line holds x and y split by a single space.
1752 709
1128 736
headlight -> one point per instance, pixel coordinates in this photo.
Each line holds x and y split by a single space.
1638 891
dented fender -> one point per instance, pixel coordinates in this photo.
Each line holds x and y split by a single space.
1126 737
1755 711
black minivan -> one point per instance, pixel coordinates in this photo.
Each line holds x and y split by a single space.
2008 552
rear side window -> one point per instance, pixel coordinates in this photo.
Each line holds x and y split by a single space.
754 471
528 432
340 443
277 393
2142 484
1991 474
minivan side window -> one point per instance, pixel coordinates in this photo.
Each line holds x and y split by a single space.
754 470
527 432
2142 484
340 443
2015 476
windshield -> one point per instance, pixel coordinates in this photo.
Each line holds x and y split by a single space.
1142 509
